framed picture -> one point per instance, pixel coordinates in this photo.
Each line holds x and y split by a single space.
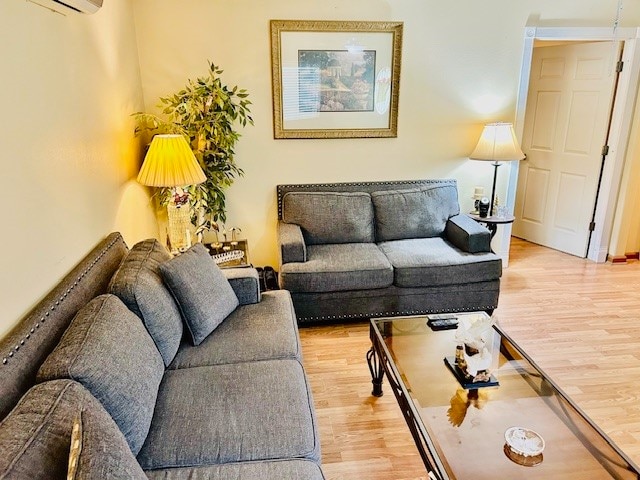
335 79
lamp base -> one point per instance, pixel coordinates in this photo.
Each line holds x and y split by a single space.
179 232
493 189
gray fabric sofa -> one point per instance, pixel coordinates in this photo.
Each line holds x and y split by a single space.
106 364
371 249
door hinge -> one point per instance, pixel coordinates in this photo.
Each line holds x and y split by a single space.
619 66
592 226
605 150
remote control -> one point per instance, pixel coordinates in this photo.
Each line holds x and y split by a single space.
448 323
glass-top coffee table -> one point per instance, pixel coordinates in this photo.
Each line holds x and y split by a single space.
460 433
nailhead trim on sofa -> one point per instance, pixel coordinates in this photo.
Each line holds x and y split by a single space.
43 319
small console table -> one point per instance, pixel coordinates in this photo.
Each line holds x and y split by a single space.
241 247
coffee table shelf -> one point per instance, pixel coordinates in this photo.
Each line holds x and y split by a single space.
459 432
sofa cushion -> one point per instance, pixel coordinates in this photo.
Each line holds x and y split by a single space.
202 292
261 331
139 285
35 437
338 267
414 213
330 217
232 413
289 469
102 451
107 349
427 262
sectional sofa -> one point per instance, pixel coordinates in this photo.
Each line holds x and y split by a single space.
371 249
139 365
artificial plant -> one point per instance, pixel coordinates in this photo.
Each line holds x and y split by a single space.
206 112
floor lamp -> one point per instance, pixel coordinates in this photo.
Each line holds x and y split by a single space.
170 162
498 143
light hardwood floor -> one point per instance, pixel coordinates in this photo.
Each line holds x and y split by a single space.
580 321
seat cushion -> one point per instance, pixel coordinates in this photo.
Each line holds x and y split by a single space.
139 285
107 349
338 267
268 470
330 217
427 262
202 292
232 413
35 437
414 212
261 331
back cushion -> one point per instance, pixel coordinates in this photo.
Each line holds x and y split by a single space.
414 213
107 349
35 437
139 285
330 217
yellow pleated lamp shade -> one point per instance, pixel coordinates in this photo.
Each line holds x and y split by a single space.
170 162
498 143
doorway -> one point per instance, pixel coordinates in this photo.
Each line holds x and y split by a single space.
621 118
566 126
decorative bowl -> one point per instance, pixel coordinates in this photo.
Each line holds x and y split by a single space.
524 442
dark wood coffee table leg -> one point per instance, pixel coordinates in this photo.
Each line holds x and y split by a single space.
377 371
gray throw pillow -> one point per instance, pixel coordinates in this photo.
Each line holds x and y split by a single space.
107 349
139 285
101 451
201 290
35 437
414 213
330 217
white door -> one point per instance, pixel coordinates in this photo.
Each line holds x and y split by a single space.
565 130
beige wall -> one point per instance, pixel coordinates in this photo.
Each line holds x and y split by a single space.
68 153
626 232
460 68
69 84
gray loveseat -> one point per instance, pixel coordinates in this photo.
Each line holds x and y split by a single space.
370 249
114 361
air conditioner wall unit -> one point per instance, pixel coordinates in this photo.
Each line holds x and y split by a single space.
64 6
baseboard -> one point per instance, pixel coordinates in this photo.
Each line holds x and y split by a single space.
617 258
624 258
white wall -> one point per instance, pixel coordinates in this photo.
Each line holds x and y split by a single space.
460 68
68 153
626 229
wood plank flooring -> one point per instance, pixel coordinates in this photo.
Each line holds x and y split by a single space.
580 321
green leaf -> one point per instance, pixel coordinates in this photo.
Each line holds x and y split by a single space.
204 112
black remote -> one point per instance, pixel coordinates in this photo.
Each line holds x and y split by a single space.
447 323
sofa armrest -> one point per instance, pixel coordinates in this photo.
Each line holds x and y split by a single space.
245 284
291 242
467 234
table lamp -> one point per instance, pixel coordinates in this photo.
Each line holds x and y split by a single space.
170 162
498 143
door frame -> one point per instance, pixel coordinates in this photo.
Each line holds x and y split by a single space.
623 110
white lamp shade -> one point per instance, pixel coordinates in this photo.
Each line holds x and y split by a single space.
170 162
498 143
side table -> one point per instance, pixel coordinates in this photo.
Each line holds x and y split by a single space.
493 221
230 246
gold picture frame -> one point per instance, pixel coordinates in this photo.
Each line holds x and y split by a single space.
335 79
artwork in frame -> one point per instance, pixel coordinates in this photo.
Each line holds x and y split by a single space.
334 79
